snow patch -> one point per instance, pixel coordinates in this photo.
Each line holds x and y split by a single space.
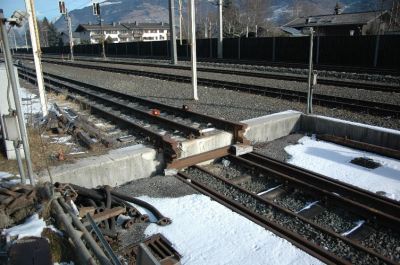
333 161
33 226
205 232
30 102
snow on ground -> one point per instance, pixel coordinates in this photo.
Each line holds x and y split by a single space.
33 226
5 175
30 102
333 161
205 232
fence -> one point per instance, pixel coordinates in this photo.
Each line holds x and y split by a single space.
360 51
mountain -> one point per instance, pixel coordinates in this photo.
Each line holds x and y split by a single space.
157 10
119 11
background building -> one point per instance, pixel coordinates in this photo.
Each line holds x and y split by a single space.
123 32
362 23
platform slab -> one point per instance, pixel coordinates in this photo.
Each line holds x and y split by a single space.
115 168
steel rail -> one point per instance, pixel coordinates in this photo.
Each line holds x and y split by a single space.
295 239
321 67
388 218
169 145
298 240
373 200
122 106
371 107
237 128
277 76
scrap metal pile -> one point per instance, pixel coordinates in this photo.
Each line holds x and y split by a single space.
90 220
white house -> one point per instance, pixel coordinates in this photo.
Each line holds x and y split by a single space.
123 32
148 31
94 33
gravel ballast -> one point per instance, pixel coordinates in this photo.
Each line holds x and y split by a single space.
305 230
360 94
227 104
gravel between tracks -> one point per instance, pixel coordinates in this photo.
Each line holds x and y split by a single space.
261 68
334 245
227 104
376 96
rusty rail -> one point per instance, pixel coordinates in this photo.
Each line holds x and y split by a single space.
359 202
296 239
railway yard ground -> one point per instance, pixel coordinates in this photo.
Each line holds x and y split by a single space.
241 176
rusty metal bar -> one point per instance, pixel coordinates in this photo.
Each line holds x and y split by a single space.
192 160
89 239
83 253
385 151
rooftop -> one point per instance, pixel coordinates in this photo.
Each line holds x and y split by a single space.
122 26
359 18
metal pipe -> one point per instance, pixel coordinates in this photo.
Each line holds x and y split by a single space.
35 43
162 220
17 99
83 253
193 48
174 57
89 239
310 73
21 170
71 40
220 29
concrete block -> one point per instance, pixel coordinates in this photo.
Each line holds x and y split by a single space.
241 149
216 140
115 168
355 131
270 127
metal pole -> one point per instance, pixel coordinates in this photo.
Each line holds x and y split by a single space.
36 54
82 251
193 48
86 235
174 56
17 145
310 73
220 30
71 40
21 121
26 42
15 40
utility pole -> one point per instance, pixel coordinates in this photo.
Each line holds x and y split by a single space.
36 54
310 74
20 116
192 13
26 42
97 12
71 39
64 11
15 40
174 56
220 29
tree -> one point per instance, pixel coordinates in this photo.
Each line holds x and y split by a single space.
109 40
48 33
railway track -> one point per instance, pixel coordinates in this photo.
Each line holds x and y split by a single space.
356 105
335 68
166 126
277 76
335 222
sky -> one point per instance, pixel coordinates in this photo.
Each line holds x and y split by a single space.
43 8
